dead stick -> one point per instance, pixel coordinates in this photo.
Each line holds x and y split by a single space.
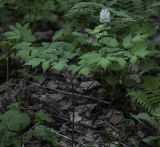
66 137
68 93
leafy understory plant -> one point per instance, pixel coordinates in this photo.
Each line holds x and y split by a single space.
154 120
103 48
109 53
54 55
149 98
108 48
44 134
14 122
149 95
109 40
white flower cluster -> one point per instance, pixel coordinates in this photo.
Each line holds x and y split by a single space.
105 16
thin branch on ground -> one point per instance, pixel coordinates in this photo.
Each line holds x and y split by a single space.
68 93
22 144
66 137
87 126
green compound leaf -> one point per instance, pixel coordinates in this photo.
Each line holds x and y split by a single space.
15 120
104 63
43 133
127 41
109 41
45 65
42 116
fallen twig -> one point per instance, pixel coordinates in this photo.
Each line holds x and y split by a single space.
66 137
22 144
68 93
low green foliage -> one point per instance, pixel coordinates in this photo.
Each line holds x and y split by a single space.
108 49
153 119
13 124
87 46
40 117
45 134
149 96
107 53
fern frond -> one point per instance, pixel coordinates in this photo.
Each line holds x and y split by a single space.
149 96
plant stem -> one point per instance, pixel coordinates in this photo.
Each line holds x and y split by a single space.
73 111
7 70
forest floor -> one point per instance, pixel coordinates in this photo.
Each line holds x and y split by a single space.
81 111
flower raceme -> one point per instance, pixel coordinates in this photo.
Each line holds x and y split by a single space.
105 16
